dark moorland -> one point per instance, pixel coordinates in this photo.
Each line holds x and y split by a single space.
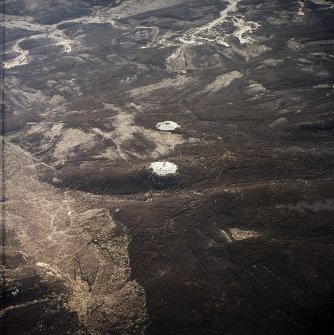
234 233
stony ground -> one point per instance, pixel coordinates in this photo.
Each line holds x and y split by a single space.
168 167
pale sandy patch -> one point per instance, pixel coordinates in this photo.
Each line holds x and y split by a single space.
223 81
72 138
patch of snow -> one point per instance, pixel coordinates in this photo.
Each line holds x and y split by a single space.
167 125
301 8
163 168
15 292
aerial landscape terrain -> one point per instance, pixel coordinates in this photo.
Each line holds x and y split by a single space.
167 167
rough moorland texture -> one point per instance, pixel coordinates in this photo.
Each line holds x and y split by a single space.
239 238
